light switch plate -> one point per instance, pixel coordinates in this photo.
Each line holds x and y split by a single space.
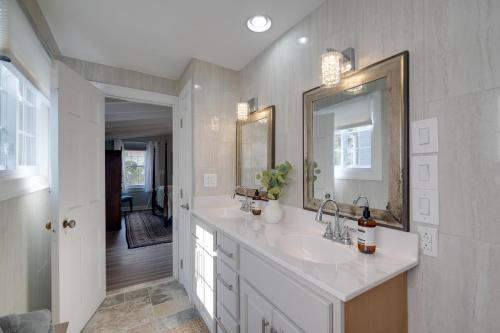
424 136
424 172
210 180
428 240
425 206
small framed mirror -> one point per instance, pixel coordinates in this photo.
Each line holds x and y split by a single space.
254 149
356 142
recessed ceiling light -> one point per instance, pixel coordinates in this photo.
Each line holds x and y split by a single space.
303 40
259 23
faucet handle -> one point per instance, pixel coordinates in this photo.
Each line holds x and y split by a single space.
345 237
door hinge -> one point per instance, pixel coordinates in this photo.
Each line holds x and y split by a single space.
181 193
182 264
181 122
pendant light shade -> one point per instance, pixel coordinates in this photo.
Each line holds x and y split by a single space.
331 68
334 63
242 111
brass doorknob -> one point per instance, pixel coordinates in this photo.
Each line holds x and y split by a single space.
48 225
71 224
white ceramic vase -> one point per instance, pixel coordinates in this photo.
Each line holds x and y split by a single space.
273 212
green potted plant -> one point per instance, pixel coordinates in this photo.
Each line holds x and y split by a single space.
274 182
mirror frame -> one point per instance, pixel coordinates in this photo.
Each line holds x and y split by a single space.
268 113
396 70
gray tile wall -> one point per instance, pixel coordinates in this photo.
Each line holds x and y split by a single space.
214 150
455 76
25 253
122 77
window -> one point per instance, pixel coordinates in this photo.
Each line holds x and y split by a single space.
26 127
24 113
134 168
353 147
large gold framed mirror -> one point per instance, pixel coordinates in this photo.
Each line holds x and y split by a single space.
254 149
356 142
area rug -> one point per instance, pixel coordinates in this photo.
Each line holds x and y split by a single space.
145 229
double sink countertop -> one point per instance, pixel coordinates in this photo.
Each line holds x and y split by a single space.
296 245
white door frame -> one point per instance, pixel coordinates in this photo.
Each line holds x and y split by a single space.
143 96
184 122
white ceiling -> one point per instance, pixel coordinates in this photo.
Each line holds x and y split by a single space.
159 37
128 120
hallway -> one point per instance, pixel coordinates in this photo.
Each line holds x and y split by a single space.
128 267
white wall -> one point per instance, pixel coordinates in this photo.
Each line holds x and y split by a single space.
25 253
455 76
214 149
24 241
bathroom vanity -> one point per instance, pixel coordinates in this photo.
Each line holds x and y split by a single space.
250 276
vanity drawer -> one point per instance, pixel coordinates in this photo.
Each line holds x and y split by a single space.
227 250
290 297
227 288
225 323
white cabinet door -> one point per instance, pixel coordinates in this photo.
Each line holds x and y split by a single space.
256 312
78 243
204 271
282 324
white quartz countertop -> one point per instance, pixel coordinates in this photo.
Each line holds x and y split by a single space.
397 251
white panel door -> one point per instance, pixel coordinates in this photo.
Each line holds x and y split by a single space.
77 169
184 144
256 312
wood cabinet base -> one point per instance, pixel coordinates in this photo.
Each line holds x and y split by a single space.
383 309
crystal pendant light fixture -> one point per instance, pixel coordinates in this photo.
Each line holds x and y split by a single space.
330 68
334 63
242 111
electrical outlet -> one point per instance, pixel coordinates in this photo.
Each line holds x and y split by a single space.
428 240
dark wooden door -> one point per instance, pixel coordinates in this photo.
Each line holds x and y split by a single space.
113 189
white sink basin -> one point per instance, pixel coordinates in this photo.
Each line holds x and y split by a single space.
314 249
228 213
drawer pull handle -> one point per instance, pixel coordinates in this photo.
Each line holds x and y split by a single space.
221 325
224 283
265 323
225 252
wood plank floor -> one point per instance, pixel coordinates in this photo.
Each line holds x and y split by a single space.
127 267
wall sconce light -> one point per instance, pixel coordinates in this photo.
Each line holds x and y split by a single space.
242 111
334 63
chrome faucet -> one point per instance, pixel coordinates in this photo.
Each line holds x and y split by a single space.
336 235
246 205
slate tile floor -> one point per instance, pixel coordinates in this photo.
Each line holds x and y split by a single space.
161 307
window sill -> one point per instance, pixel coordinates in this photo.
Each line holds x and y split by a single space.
130 189
17 187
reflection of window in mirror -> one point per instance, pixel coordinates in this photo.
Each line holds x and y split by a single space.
357 138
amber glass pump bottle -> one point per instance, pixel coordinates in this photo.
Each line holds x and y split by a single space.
366 229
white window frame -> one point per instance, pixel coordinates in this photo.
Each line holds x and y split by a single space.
24 179
375 172
136 188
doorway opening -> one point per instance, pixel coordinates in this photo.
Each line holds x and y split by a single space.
139 169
